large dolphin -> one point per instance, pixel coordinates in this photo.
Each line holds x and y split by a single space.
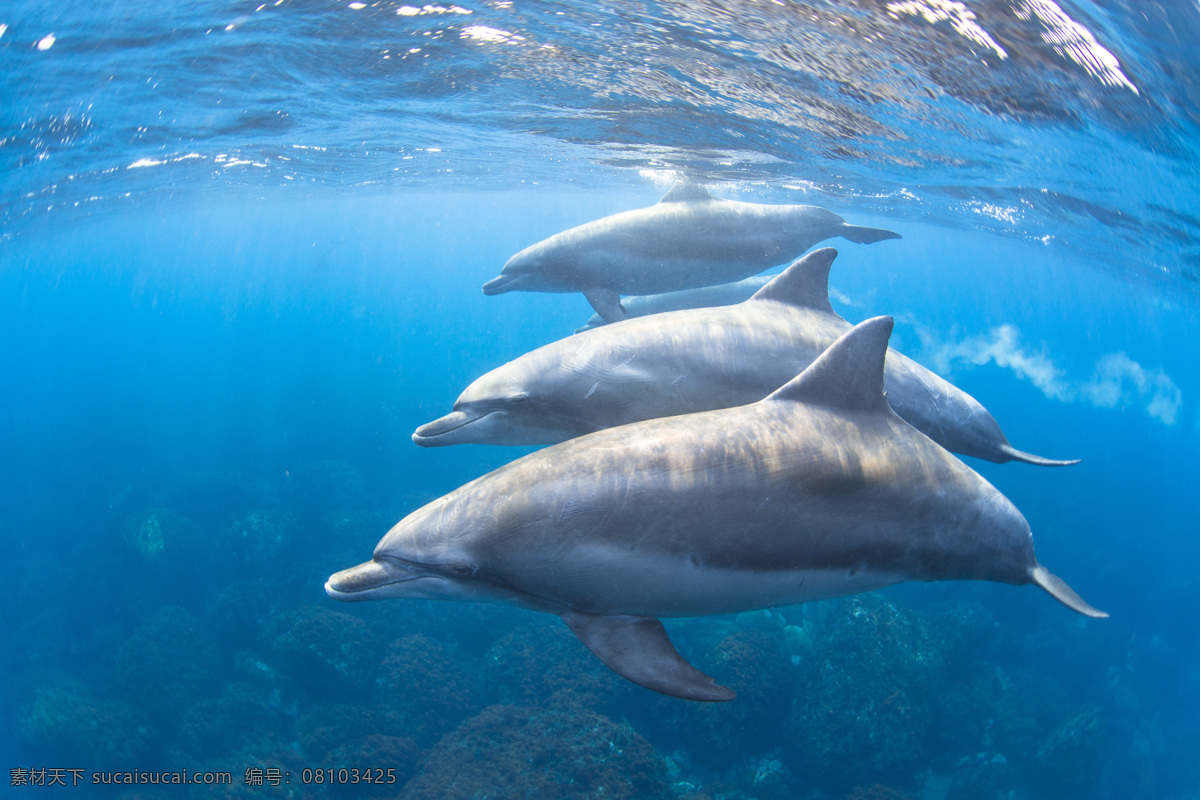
688 239
723 294
697 360
817 491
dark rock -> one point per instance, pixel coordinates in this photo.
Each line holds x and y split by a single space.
515 753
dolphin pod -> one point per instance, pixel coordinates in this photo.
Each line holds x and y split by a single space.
687 240
818 490
698 360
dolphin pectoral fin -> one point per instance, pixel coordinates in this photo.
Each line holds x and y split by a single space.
606 303
861 235
1057 588
638 649
1029 458
595 322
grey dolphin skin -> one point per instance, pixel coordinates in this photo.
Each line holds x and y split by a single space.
688 239
723 294
697 360
818 490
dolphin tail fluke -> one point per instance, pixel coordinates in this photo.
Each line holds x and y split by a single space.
1029 458
638 649
861 235
1057 588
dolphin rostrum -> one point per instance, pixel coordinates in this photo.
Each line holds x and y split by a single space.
688 239
697 360
818 490
723 294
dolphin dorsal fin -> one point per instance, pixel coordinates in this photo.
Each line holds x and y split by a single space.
804 284
847 375
684 191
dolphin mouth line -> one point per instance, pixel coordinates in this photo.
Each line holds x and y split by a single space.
352 593
368 579
329 587
499 285
457 420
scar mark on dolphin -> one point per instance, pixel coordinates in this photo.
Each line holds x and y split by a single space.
573 509
604 364
621 354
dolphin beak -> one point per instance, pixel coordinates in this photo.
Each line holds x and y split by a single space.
367 581
438 432
499 285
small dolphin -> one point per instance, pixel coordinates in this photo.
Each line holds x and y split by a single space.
688 239
697 360
723 294
819 490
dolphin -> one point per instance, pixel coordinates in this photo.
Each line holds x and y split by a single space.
819 490
723 294
697 360
688 239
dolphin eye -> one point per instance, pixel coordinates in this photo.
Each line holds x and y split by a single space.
461 569
518 399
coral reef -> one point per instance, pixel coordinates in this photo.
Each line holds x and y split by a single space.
979 777
515 753
239 613
396 755
327 652
1019 707
1131 772
421 690
965 633
866 689
240 717
159 536
754 664
1067 760
162 555
877 791
963 716
168 665
543 663
268 754
323 727
257 538
64 720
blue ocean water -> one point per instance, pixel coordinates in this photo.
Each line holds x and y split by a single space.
241 247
